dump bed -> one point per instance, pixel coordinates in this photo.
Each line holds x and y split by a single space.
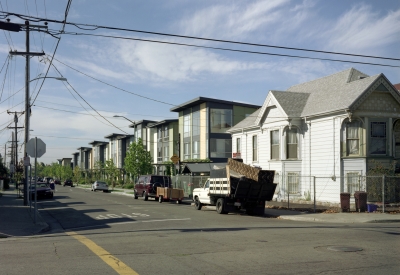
248 183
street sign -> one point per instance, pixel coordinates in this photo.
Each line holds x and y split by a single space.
27 161
174 158
30 148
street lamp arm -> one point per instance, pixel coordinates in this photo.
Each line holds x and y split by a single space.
125 118
41 77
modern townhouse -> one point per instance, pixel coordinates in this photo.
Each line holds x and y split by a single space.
100 151
203 123
333 128
84 160
163 142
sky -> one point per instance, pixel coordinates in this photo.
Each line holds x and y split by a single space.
110 76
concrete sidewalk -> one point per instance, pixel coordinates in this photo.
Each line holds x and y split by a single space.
17 220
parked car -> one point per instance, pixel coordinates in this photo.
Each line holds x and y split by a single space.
56 181
68 183
43 190
100 185
147 185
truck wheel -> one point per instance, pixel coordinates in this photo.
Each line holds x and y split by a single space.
160 199
135 194
146 197
197 204
221 207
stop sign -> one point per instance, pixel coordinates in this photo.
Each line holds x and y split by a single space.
35 152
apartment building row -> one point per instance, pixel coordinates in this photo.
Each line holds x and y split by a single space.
198 132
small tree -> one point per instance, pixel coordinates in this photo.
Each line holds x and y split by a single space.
112 171
138 160
77 174
98 169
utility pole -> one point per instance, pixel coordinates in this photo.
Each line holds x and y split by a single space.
16 140
27 54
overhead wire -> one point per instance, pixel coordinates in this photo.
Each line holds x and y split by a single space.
86 101
96 27
234 50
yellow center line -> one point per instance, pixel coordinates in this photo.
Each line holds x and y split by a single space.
103 254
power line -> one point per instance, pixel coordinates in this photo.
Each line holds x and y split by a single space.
96 27
234 50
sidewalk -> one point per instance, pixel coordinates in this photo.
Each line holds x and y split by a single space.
16 220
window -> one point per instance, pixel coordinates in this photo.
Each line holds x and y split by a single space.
221 120
293 183
186 126
159 134
353 182
159 154
291 143
275 144
196 149
377 144
220 148
196 123
186 151
254 146
166 153
353 138
166 133
238 150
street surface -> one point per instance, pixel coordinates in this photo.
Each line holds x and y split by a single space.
103 233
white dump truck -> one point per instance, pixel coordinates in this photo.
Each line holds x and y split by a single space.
236 186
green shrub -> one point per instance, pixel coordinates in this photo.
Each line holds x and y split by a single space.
129 186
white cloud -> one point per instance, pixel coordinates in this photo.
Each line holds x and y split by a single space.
361 28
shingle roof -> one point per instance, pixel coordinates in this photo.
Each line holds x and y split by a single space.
292 103
247 122
333 92
327 94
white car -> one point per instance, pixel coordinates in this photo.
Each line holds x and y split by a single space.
100 185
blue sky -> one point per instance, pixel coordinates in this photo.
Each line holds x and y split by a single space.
170 75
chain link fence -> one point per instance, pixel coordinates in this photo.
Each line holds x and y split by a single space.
294 190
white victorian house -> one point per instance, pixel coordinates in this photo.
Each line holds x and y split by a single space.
324 133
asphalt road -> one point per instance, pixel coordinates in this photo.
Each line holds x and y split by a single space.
103 233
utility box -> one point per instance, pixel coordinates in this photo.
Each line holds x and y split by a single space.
361 201
345 202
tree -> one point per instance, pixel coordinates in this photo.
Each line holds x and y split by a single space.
138 160
112 171
98 169
77 174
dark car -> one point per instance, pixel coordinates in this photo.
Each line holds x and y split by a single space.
147 185
56 181
43 190
68 183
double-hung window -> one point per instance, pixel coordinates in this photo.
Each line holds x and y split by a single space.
377 140
254 145
291 143
275 144
353 138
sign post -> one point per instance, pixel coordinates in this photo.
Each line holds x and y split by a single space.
35 148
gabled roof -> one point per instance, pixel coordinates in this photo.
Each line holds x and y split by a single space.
333 92
292 103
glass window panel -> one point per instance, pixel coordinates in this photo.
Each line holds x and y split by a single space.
254 144
220 148
186 151
196 149
221 120
275 144
186 126
291 136
196 123
377 144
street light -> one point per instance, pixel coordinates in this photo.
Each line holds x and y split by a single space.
27 117
134 123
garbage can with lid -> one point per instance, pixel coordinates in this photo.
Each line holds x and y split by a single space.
361 201
345 202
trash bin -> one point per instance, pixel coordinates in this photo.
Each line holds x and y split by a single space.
372 207
345 202
361 201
